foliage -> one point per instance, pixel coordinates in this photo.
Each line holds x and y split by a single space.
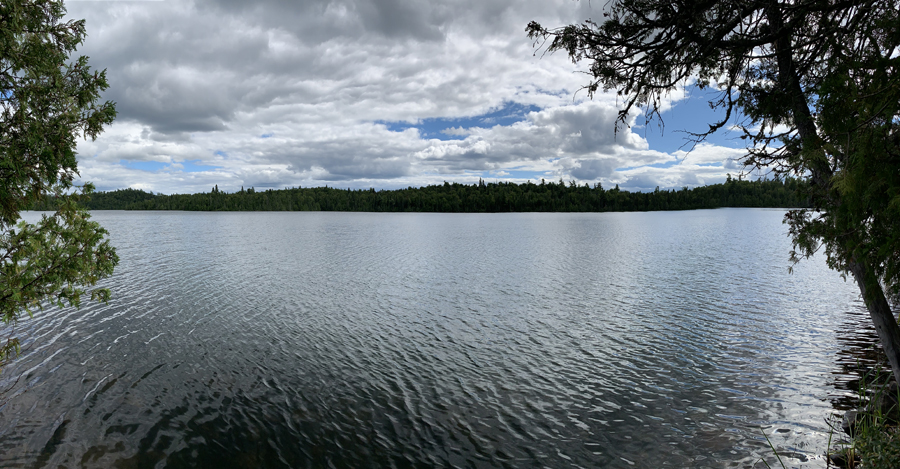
859 109
874 431
813 84
44 103
481 197
879 448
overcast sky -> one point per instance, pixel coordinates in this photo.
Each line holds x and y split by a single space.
365 93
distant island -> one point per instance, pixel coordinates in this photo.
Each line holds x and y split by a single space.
454 197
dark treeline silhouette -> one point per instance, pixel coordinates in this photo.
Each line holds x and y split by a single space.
453 197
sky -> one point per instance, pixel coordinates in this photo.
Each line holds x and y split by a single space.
365 94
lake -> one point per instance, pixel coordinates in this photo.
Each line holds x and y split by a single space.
313 339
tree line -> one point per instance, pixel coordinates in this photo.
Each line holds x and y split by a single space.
454 197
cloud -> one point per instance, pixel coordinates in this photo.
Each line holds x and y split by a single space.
705 153
365 93
582 132
594 169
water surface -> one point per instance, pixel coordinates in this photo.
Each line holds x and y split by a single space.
418 340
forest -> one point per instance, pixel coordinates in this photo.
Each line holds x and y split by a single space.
454 197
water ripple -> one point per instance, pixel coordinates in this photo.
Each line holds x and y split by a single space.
505 340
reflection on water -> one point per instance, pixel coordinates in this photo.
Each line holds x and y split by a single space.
504 340
861 361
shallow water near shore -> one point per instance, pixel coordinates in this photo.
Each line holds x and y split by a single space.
414 339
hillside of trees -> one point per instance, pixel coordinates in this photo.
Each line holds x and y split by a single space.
453 197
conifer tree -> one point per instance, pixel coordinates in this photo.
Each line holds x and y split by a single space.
817 83
45 103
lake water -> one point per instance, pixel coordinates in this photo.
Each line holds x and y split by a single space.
420 340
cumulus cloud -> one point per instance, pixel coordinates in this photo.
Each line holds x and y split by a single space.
705 153
276 94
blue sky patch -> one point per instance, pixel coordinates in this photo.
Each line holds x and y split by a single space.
667 164
507 114
194 166
692 114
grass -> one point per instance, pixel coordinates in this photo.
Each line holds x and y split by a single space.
875 437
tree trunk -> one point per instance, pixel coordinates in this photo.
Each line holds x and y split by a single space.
821 173
880 312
